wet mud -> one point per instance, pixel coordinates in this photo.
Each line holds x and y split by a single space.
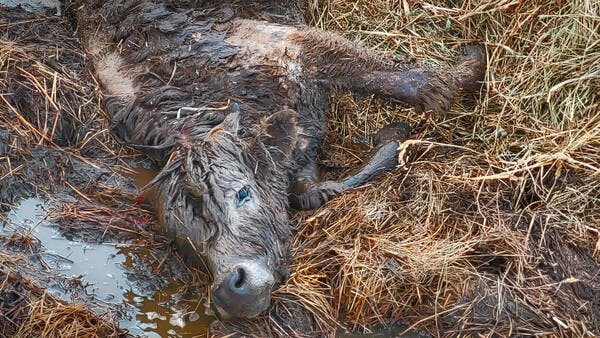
50 7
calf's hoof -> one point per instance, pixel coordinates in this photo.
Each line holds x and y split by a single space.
317 196
470 68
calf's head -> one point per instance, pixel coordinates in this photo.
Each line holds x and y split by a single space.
223 196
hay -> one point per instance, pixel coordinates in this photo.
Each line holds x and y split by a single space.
47 98
50 319
491 227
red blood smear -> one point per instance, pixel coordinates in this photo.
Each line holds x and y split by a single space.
139 199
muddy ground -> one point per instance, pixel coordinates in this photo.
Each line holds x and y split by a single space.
491 226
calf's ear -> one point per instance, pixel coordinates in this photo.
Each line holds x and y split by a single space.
280 134
192 177
230 124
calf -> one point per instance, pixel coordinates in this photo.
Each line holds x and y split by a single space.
230 99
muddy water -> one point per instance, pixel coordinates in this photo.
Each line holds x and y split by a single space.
110 269
142 177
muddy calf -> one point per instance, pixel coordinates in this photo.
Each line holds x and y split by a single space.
230 99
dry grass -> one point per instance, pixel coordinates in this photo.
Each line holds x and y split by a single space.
46 96
54 319
492 225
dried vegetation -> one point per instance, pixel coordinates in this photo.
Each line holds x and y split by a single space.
26 310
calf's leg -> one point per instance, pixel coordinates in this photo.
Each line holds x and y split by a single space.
429 88
307 194
340 64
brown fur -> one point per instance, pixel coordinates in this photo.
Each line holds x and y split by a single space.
230 99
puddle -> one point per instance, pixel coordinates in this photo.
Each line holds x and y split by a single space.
41 6
110 268
143 176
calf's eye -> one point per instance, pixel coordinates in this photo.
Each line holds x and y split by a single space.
243 196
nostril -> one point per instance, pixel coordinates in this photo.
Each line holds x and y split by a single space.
238 278
248 280
244 291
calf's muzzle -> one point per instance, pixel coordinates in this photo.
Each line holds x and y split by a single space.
244 292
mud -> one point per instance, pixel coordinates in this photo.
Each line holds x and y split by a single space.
397 330
50 7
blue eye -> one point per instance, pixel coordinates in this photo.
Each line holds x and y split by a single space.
243 196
